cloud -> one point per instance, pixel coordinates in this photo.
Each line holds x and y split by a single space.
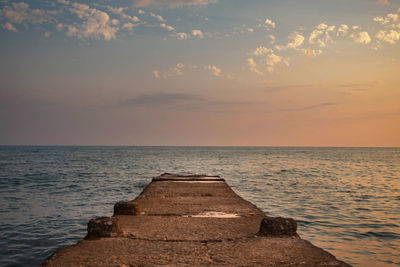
141 12
157 17
383 2
262 50
297 40
160 99
96 23
72 31
156 74
64 2
321 35
172 3
390 18
16 13
178 101
390 36
272 37
182 35
198 33
9 26
215 70
128 26
358 86
117 10
342 30
167 27
253 66
310 107
273 59
120 11
59 27
19 13
176 70
361 37
312 52
269 24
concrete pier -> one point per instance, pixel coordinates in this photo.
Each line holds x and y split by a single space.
193 220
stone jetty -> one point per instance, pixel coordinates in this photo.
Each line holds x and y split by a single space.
191 220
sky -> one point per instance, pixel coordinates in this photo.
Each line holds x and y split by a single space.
200 72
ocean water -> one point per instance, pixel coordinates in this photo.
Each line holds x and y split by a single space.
345 200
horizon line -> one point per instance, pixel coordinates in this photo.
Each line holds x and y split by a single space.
250 146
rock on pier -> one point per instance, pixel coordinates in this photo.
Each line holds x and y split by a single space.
191 220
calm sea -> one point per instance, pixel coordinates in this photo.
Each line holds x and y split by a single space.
345 200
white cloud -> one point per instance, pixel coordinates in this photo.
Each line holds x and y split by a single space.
96 23
273 59
314 36
167 27
215 70
280 47
253 66
128 26
9 26
262 50
250 29
269 24
388 36
198 33
321 35
173 3
361 37
272 37
182 35
157 17
343 29
390 18
156 74
322 26
297 40
141 12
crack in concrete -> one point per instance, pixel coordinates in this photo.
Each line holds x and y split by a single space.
193 240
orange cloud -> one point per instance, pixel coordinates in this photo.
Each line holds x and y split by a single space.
383 2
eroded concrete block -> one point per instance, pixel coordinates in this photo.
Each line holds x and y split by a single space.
104 227
126 208
278 226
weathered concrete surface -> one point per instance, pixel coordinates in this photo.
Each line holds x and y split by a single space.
165 233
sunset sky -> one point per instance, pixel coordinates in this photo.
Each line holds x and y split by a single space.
200 72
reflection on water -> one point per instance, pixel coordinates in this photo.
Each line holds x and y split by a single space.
345 200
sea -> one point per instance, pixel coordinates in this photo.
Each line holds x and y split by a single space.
345 200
